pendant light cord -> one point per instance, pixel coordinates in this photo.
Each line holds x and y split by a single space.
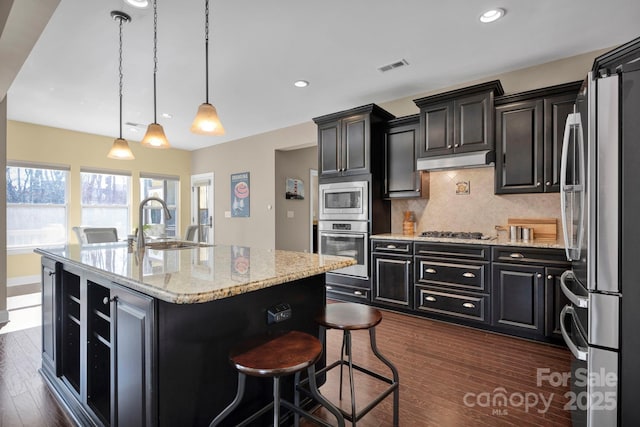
155 56
206 48
120 74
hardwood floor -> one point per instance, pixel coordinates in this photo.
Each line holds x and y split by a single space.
439 365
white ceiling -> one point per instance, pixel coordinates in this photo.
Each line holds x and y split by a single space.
258 49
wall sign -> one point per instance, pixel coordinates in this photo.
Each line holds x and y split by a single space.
240 197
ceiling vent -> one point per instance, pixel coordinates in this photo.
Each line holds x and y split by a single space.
393 65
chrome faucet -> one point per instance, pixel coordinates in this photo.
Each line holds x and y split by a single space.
167 215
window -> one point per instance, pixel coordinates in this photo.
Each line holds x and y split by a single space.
168 189
105 200
36 206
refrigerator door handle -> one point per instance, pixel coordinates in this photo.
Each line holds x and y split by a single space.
569 124
578 352
578 300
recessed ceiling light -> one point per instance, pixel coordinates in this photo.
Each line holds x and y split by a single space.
301 83
492 15
138 3
167 115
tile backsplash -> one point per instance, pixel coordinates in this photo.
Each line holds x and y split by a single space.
479 210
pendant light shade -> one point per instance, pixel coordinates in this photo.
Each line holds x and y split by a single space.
155 137
120 149
207 121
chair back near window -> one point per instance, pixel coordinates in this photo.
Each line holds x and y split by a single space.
190 234
101 235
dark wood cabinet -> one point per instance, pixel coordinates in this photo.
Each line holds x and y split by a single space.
529 135
555 300
392 273
458 121
401 179
348 140
50 313
518 298
526 293
452 281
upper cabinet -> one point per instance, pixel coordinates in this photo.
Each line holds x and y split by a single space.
348 140
529 134
401 179
458 121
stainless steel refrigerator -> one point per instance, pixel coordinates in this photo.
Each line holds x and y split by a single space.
600 198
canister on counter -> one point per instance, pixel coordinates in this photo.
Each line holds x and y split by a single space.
527 234
515 232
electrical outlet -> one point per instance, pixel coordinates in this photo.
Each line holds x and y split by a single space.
279 313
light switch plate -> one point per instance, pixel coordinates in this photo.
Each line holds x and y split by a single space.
227 214
289 214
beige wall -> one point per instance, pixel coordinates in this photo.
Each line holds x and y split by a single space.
47 145
255 155
293 233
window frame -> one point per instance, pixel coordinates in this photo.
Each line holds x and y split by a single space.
127 227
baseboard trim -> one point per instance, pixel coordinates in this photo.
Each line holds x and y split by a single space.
4 317
23 280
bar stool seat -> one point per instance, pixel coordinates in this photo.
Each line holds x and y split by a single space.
350 317
274 357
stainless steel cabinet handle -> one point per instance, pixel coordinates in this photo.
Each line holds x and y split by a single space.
329 287
107 300
408 262
539 276
456 145
467 274
391 246
548 183
516 255
357 293
430 298
469 305
430 271
52 273
537 184
550 277
449 146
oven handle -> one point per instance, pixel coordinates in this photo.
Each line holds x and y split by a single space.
578 300
578 352
338 235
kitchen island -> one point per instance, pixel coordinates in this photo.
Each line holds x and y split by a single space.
141 338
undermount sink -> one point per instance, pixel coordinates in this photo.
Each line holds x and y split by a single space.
173 244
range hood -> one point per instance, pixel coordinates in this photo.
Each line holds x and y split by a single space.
475 159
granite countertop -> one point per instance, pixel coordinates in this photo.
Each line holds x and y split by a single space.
195 275
493 241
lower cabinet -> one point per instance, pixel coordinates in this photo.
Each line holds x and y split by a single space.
555 300
392 273
518 298
50 313
105 350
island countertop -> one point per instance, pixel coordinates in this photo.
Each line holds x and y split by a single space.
198 274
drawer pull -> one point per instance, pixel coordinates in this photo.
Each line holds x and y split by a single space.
357 293
469 305
430 271
470 275
329 287
391 246
550 277
516 255
430 298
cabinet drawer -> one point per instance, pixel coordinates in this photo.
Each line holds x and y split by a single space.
513 254
471 276
347 291
470 307
445 250
392 246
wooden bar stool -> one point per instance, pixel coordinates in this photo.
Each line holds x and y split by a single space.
285 354
350 317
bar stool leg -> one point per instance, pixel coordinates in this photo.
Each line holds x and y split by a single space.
347 338
342 354
276 401
313 388
394 371
233 405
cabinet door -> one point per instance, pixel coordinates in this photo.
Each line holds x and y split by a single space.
401 178
49 314
555 301
132 357
355 145
329 148
392 280
473 123
436 129
556 110
518 298
519 139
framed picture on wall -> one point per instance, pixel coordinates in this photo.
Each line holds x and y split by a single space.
295 189
240 196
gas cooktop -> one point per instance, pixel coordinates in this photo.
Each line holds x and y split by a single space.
475 235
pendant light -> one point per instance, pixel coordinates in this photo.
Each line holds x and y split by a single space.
155 138
120 148
207 121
